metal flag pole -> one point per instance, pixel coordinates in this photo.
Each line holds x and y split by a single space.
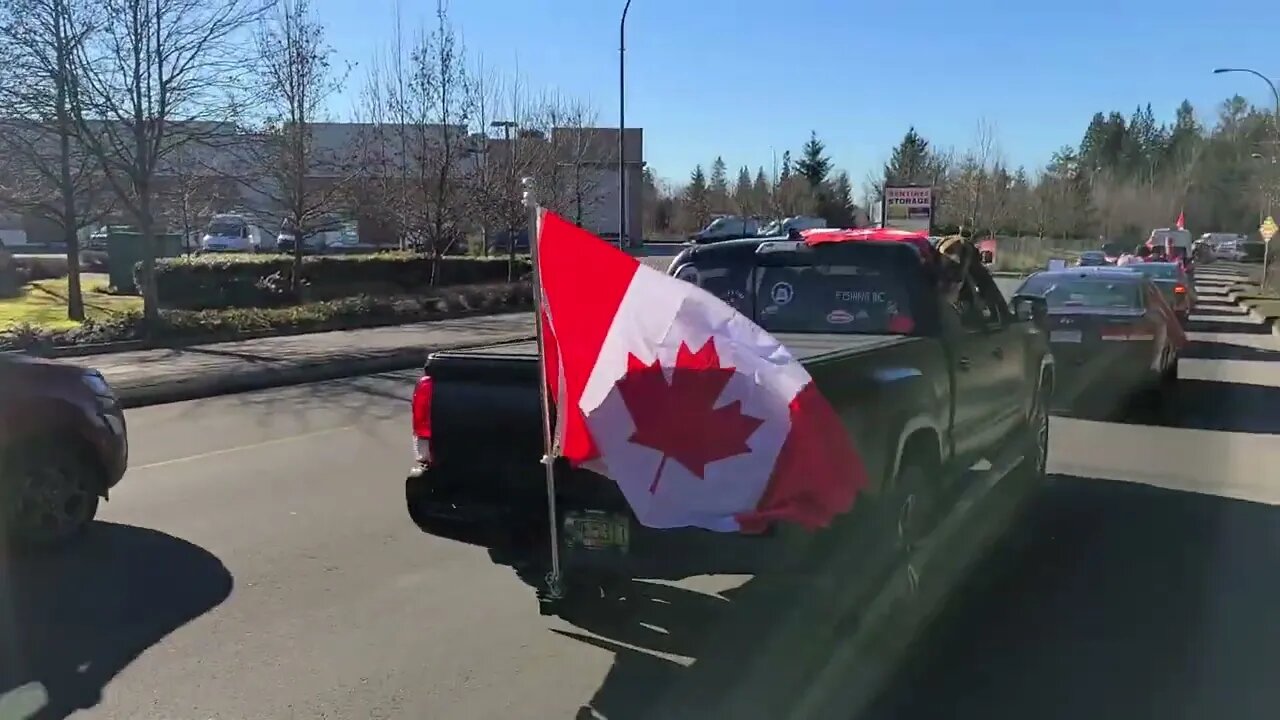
554 589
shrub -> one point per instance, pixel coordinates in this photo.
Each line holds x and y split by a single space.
42 268
246 281
229 324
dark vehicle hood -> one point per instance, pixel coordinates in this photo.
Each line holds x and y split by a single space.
22 368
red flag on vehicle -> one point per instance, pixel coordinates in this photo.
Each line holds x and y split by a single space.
1182 221
701 417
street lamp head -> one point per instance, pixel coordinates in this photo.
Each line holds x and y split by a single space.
1256 156
1219 71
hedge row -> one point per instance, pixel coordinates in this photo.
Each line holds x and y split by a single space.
230 324
254 281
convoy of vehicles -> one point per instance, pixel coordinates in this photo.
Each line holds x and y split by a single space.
925 389
63 446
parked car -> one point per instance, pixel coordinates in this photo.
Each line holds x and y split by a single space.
729 227
63 446
1110 327
924 392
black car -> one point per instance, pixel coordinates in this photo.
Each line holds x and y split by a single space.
63 446
1110 330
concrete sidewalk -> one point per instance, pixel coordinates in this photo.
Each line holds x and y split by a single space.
152 377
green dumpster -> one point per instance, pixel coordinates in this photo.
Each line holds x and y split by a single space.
124 252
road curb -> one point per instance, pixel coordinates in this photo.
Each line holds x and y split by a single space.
239 381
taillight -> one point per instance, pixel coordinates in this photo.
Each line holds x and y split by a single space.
1134 331
422 418
1180 290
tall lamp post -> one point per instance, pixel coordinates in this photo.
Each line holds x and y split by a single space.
1266 253
622 127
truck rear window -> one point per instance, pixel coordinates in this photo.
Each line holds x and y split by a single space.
833 299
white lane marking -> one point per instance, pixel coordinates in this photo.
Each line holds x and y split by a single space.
23 701
238 448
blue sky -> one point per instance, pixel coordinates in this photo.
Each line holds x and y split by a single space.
747 78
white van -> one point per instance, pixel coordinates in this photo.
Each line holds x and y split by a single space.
234 233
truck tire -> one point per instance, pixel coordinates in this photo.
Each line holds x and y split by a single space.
49 494
1035 441
917 503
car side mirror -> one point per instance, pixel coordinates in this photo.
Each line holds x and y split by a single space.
1031 308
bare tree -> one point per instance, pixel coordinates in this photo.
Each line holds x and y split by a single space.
303 177
424 137
578 151
519 150
46 172
189 193
160 75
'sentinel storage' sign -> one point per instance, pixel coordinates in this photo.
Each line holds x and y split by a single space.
908 207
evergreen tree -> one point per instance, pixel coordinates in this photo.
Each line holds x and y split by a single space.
911 163
742 196
760 191
837 206
697 198
813 164
718 186
1093 146
785 173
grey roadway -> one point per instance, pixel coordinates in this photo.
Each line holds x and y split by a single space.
257 563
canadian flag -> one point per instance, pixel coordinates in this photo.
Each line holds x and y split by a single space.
1182 221
701 417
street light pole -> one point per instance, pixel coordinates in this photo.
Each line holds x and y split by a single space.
622 127
1275 94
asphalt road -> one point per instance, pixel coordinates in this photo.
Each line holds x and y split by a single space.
257 562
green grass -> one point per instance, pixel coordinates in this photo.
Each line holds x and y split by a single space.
43 303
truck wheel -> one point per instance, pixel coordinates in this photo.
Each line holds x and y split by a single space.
917 505
1035 454
50 495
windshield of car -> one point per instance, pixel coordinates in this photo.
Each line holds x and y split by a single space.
225 229
1092 292
833 299
1156 271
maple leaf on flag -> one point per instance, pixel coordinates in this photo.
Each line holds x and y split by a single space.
679 418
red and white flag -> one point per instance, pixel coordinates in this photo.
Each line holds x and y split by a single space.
701 417
1182 221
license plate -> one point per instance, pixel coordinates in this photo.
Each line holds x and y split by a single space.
594 530
1065 336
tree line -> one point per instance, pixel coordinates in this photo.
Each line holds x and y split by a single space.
160 113
1128 174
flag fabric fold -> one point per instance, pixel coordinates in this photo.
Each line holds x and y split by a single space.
700 416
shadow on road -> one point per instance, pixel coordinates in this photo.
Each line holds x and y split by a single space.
363 400
1222 324
1202 350
1198 405
73 619
1113 601
714 635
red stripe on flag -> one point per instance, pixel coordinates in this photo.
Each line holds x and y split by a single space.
583 282
818 472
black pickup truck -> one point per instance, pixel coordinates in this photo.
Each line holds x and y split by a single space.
927 390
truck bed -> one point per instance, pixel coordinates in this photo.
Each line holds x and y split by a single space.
804 346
